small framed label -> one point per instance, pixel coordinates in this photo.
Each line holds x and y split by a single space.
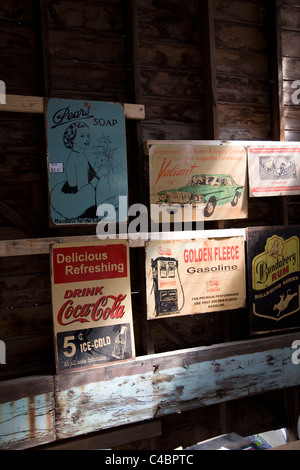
56 167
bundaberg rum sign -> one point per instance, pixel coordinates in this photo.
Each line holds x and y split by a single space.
273 272
91 299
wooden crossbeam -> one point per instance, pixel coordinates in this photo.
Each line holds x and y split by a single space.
40 246
142 389
35 105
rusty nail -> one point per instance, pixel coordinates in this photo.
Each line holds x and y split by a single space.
159 406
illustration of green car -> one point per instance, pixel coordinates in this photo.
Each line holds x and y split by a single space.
211 190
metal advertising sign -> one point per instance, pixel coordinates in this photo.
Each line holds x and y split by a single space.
274 274
274 169
210 178
87 161
91 299
195 276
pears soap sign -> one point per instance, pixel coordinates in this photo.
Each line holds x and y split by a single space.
87 161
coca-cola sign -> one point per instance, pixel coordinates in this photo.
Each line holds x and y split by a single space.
89 263
91 297
106 307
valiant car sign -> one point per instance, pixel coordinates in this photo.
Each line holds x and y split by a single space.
210 179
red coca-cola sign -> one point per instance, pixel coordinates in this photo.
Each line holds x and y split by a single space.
104 308
91 303
89 263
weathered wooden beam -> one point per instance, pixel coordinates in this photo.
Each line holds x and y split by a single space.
36 246
26 412
40 246
35 104
140 390
161 384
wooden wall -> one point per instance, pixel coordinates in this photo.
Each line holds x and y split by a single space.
170 69
290 24
195 83
242 69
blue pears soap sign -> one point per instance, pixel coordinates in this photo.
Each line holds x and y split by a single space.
87 160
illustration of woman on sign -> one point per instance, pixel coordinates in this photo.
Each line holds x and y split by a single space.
111 187
75 197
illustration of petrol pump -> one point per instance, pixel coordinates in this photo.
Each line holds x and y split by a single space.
167 286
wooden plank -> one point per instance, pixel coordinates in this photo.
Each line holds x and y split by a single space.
291 68
23 104
109 439
161 384
292 136
44 49
134 111
35 246
169 83
22 12
290 17
35 104
292 115
28 356
166 26
156 131
166 8
84 49
240 37
22 134
209 70
238 63
169 55
20 290
276 74
243 90
91 17
290 43
17 219
26 412
250 118
236 11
